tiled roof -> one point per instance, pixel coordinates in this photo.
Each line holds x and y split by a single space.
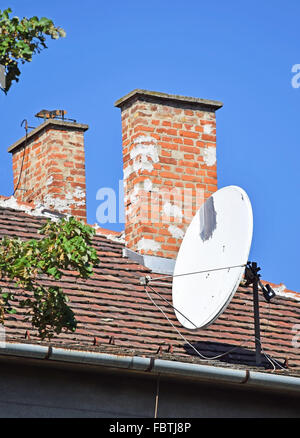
115 314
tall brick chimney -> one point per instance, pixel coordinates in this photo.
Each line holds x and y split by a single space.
169 158
49 167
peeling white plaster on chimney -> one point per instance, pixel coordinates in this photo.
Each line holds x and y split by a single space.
134 195
172 210
145 139
77 198
138 194
117 238
207 116
148 185
144 154
120 238
36 210
176 232
13 203
148 245
56 203
49 181
209 155
78 194
126 172
140 155
207 129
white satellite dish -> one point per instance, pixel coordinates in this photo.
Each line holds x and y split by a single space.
219 236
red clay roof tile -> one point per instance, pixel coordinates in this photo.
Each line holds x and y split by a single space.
114 303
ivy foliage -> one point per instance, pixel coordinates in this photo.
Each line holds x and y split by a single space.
65 245
20 39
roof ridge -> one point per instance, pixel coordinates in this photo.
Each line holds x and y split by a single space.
117 236
282 291
38 209
10 202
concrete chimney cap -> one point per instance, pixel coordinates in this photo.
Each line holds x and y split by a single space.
50 122
157 96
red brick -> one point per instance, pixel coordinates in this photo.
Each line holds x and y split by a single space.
58 156
188 141
210 180
169 175
208 137
188 163
188 134
169 146
168 160
57 176
143 129
178 140
167 131
68 164
192 150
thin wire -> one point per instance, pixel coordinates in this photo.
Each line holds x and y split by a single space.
156 397
272 361
229 351
171 305
21 170
184 338
267 326
260 340
268 323
197 272
199 354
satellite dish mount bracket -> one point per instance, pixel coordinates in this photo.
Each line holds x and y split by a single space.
252 277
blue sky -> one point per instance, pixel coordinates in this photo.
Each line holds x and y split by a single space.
241 53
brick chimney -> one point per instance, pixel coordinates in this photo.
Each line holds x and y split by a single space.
169 158
49 167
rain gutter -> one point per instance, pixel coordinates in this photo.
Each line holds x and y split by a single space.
262 380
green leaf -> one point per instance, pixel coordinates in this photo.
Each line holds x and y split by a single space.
21 39
65 244
52 271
